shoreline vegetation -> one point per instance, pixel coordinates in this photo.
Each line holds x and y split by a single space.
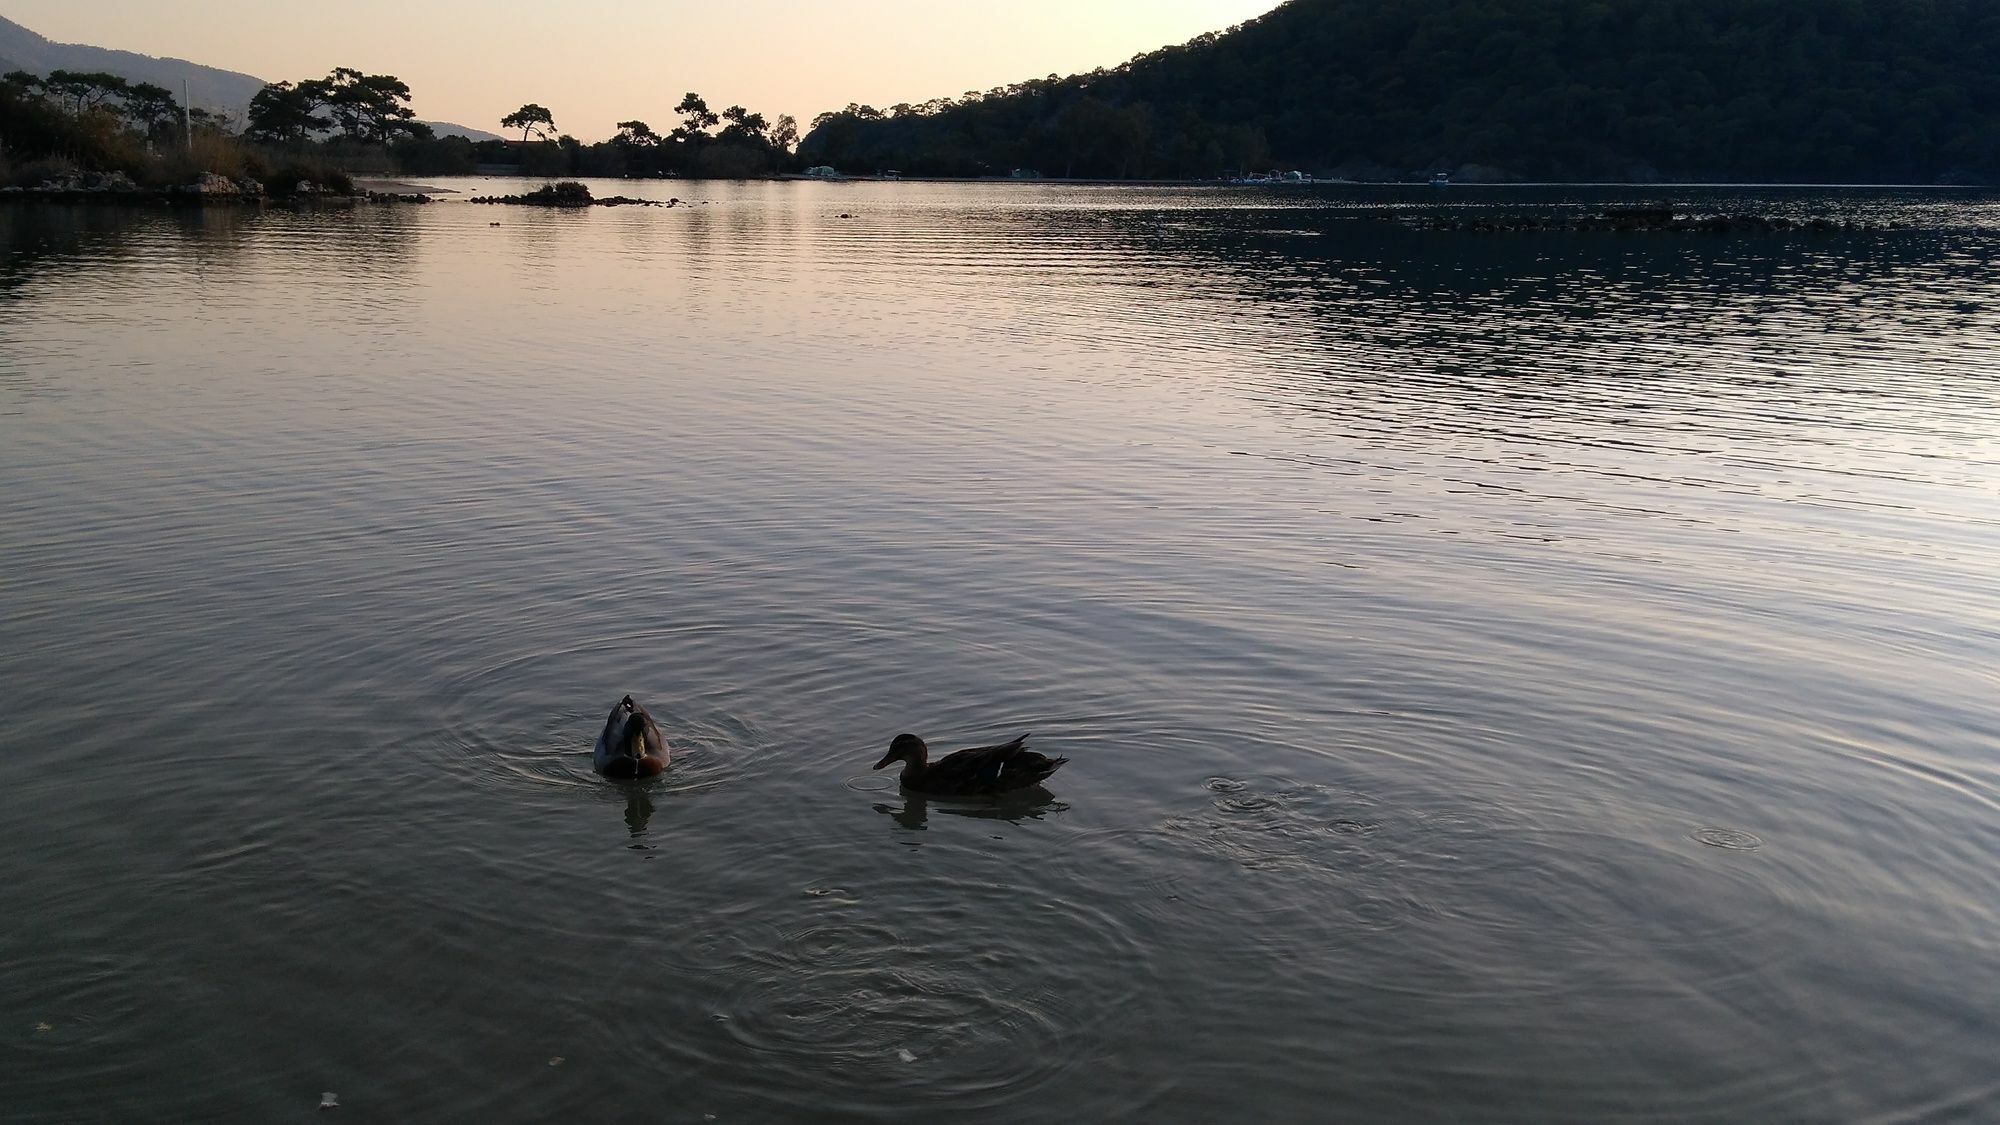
1453 92
73 132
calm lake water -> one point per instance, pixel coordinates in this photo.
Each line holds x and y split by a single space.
1508 678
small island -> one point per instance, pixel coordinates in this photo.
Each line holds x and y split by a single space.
569 193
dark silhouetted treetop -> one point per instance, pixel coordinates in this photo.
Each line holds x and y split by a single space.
696 119
284 113
366 108
784 134
152 108
743 125
371 108
533 121
636 134
81 92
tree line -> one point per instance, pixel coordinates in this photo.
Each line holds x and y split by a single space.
360 108
1806 90
734 143
105 99
65 123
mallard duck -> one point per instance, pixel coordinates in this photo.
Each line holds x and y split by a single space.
980 771
630 745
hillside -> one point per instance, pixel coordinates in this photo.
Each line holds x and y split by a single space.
1785 90
208 87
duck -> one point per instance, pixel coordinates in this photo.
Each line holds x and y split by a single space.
978 772
630 745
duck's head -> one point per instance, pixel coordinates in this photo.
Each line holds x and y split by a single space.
906 748
628 729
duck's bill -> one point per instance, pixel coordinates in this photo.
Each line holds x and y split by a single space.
886 759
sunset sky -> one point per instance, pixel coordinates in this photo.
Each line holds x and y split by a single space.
596 62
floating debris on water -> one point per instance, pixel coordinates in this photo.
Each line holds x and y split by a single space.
329 1100
905 1054
557 1060
44 1027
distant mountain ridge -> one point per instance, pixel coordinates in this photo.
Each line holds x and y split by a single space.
207 87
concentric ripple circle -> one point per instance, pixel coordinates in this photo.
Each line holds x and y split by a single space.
1728 839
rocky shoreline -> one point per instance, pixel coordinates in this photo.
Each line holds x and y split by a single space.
611 201
219 191
210 190
569 193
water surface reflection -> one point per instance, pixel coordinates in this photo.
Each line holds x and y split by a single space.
915 809
1539 679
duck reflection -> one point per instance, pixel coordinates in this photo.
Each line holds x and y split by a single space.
638 810
914 812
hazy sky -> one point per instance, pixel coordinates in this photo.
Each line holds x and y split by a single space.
596 62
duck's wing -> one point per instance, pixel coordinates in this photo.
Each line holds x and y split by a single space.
607 740
986 767
614 724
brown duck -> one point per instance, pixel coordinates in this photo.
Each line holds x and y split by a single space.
978 772
630 745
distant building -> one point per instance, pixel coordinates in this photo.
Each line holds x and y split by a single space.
823 172
1025 174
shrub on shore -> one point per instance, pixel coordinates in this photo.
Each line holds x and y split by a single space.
208 152
41 170
568 193
282 181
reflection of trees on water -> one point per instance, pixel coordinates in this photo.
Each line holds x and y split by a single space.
38 238
913 813
1333 308
1353 246
368 245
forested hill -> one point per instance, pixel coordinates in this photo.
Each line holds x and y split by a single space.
1781 90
